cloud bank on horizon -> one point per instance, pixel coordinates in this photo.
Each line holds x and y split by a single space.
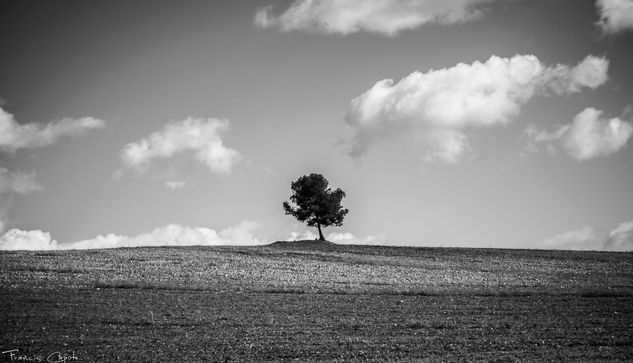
15 136
11 183
433 110
170 235
619 239
387 17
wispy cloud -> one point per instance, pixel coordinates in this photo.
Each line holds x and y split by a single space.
170 235
337 237
302 236
589 136
20 182
616 16
432 110
387 17
618 239
175 184
16 239
203 137
14 182
4 210
15 136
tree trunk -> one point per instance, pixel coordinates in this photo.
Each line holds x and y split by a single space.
321 238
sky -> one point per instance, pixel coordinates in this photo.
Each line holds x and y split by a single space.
471 123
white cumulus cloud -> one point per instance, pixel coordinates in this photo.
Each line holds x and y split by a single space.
14 136
589 136
433 110
387 17
302 236
616 16
201 136
337 237
591 72
170 235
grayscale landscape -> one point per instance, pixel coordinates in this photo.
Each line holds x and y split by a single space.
316 180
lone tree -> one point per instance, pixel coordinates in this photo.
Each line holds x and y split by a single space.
315 203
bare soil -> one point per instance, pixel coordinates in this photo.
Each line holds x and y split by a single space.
310 301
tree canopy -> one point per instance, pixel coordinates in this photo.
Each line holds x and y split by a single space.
314 203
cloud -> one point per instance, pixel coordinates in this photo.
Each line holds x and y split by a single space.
240 234
616 16
433 110
387 17
349 238
20 182
581 239
589 136
16 239
175 184
175 235
6 201
14 182
337 237
202 136
302 236
618 239
170 235
591 72
340 237
14 136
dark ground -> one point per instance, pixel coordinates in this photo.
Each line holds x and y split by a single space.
306 302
